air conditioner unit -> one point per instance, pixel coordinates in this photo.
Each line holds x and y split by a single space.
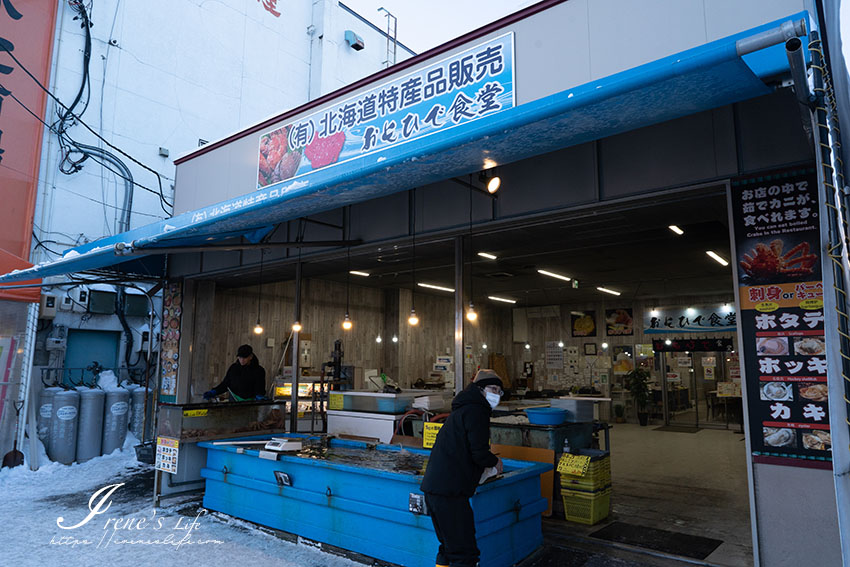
102 302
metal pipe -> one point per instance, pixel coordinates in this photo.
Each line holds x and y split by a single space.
797 63
771 37
127 176
130 249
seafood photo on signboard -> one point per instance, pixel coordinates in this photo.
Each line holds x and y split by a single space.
777 261
619 322
583 323
777 392
817 440
775 346
809 346
776 437
814 392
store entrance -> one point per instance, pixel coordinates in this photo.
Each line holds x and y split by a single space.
694 392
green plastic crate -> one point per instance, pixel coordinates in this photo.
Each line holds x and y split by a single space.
586 507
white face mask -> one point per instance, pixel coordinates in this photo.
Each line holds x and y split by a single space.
492 399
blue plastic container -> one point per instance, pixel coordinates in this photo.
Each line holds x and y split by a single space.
546 416
371 511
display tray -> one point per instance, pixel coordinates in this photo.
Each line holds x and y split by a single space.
210 421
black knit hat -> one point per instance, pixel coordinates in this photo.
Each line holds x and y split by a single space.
487 377
244 351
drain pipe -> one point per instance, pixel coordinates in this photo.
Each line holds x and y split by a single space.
768 38
797 63
125 173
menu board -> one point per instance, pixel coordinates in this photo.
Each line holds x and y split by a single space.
777 238
172 309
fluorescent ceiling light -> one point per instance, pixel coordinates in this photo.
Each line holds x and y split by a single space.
502 299
717 258
676 229
439 287
358 273
486 255
606 290
553 275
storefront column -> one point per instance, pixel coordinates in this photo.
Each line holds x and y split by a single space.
458 350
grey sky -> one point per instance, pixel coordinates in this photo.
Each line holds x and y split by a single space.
423 24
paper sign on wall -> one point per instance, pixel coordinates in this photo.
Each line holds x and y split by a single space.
429 434
335 401
167 451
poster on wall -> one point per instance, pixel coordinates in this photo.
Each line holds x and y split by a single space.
778 266
583 324
172 310
624 361
554 355
619 322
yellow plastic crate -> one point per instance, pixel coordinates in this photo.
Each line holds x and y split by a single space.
586 507
598 476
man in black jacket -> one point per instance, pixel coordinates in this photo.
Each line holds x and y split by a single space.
460 454
245 379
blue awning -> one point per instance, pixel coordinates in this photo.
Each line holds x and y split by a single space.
705 77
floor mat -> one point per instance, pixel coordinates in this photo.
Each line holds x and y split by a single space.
556 556
673 543
678 429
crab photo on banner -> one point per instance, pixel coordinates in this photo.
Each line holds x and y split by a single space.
777 238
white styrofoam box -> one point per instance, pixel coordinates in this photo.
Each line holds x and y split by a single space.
429 402
577 410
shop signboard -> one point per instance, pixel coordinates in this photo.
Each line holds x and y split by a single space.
778 266
461 88
697 319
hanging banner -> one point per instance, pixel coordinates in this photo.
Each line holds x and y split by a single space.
462 88
172 310
777 239
697 319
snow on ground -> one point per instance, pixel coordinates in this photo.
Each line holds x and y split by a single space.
33 502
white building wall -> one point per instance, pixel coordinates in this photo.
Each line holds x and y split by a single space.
176 72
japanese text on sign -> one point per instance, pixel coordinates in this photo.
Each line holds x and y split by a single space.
429 434
575 465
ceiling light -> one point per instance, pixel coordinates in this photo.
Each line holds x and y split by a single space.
502 299
676 229
690 311
413 320
395 339
258 329
439 287
604 346
553 275
296 327
606 290
668 342
347 322
359 273
378 339
717 258
471 315
490 179
654 313
487 255
561 344
527 346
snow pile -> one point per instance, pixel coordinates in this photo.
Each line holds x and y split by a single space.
130 531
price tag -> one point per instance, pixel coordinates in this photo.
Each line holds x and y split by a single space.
429 435
335 401
195 413
575 465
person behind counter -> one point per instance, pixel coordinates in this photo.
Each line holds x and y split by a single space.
245 379
461 453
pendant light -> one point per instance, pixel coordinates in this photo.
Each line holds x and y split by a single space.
413 320
296 326
471 315
347 323
258 329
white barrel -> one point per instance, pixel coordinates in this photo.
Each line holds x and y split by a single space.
62 446
115 416
130 388
90 431
45 413
137 415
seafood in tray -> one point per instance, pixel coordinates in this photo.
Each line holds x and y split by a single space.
776 437
809 346
777 391
817 440
814 392
767 261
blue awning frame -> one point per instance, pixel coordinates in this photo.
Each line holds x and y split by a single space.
695 80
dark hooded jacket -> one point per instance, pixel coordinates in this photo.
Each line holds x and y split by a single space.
462 449
247 382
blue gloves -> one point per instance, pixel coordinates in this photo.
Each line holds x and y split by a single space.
210 395
260 397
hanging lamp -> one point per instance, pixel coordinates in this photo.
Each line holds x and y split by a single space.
471 315
413 320
258 329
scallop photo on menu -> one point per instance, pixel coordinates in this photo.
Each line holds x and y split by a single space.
776 391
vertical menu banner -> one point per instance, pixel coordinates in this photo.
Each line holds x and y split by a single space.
778 265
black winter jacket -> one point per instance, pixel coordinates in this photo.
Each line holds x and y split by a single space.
247 381
462 449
